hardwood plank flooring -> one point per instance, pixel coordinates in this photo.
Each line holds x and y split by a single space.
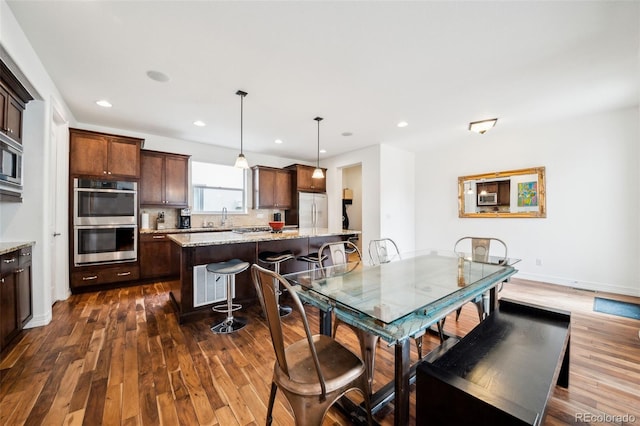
120 357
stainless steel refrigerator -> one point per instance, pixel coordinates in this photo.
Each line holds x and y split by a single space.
312 210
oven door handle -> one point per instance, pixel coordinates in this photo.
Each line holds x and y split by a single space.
104 226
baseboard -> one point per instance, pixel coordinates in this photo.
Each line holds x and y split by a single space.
583 285
40 320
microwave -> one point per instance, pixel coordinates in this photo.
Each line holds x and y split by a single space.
489 199
10 165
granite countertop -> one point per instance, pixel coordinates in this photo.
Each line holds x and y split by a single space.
182 231
199 239
8 247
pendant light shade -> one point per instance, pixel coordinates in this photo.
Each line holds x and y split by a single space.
241 161
317 173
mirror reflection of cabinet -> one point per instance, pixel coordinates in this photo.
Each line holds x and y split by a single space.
513 193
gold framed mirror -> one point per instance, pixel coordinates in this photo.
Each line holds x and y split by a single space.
511 193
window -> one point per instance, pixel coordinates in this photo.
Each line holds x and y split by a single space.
216 186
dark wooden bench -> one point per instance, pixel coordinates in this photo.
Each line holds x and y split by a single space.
502 373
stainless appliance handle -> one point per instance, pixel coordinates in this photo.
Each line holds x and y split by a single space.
119 191
313 215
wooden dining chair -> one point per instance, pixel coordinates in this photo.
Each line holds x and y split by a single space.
313 372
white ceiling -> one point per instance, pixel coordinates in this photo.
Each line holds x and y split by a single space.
362 65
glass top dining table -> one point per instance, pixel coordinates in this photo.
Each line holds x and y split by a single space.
398 299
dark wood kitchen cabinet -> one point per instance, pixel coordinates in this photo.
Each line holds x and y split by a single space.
11 110
164 179
155 257
85 277
302 180
103 155
13 99
16 307
271 188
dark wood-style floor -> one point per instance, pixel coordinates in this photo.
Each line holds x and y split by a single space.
120 357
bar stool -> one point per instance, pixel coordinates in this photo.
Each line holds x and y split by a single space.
313 260
229 270
275 259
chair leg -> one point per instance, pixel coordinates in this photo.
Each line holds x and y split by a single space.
458 313
272 398
440 325
480 307
368 344
419 342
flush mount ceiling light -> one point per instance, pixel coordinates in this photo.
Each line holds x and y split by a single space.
278 141
104 103
199 123
317 173
402 124
241 161
482 126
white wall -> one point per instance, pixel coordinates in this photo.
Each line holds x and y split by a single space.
590 236
388 181
30 220
397 196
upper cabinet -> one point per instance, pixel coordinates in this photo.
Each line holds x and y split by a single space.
164 179
11 115
271 188
302 180
13 98
104 155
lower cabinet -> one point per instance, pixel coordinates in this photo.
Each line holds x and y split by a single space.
98 275
155 257
16 307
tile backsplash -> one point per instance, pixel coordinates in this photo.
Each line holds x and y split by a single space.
252 218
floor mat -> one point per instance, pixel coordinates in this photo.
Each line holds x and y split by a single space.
616 307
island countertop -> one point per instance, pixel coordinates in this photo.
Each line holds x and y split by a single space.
200 239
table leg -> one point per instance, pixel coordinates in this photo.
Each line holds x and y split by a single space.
402 378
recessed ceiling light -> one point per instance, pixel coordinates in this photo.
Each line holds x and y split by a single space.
347 134
403 124
104 103
278 141
323 151
157 76
199 123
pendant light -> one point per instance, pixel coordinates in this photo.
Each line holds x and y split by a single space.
241 161
317 173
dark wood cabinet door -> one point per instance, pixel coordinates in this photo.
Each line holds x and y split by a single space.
264 192
176 184
8 309
155 257
124 158
283 189
24 296
151 182
4 100
304 180
14 119
88 154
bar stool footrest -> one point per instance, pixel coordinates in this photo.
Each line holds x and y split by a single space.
224 309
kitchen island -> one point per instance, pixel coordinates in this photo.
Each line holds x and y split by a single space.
192 251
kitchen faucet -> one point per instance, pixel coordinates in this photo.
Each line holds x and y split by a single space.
224 216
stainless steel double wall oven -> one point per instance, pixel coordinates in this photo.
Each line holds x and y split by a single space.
105 221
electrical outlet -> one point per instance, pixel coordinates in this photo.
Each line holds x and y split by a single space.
538 262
